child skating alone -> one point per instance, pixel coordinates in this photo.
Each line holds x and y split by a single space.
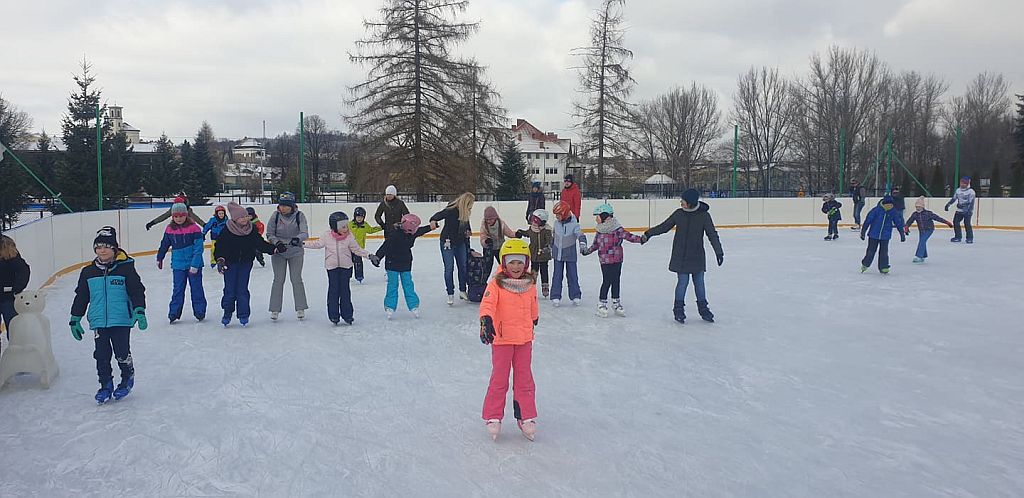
830 206
508 315
964 198
925 227
360 229
236 247
608 245
184 239
565 235
878 227
539 234
340 249
397 253
110 295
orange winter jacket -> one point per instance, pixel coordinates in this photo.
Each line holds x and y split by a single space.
513 314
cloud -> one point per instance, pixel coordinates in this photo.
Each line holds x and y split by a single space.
237 63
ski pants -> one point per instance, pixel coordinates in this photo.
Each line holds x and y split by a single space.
541 268
833 226
391 296
292 265
181 279
922 243
8 314
517 359
113 342
339 294
683 281
236 289
456 256
611 275
857 208
882 246
966 218
571 274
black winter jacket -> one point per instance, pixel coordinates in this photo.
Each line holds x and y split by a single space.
453 229
396 251
14 273
240 249
390 212
829 206
688 243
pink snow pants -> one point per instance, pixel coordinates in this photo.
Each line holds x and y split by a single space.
518 360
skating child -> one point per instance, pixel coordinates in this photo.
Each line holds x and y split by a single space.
236 247
830 206
340 249
185 240
508 315
478 271
397 251
214 227
260 228
493 232
540 237
14 276
111 296
878 227
608 244
180 199
925 227
692 222
565 235
360 229
964 199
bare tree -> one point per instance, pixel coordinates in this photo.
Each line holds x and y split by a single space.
410 103
318 150
642 143
911 105
684 122
484 112
764 107
603 109
983 114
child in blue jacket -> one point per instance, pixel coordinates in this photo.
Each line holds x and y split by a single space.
185 239
216 225
830 206
112 292
878 227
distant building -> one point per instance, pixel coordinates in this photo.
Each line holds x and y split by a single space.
544 154
249 160
119 125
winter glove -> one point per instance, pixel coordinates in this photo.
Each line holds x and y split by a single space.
536 321
296 242
949 224
193 270
160 264
139 317
280 248
644 238
906 231
947 206
149 225
721 258
486 330
375 260
903 238
222 266
76 327
862 236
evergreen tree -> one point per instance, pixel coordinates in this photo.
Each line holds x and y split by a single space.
14 124
161 178
512 178
198 176
995 186
44 166
186 174
938 182
1017 179
120 176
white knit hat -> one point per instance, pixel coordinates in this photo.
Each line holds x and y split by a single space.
391 190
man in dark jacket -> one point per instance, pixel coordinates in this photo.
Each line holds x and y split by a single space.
857 195
536 201
692 222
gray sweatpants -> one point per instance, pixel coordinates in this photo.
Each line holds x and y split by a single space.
293 266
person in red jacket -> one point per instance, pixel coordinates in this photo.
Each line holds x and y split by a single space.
260 227
572 195
508 315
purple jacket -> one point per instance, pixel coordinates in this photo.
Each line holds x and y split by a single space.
925 220
608 242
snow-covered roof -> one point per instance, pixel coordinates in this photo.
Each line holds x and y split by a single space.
249 143
659 179
127 127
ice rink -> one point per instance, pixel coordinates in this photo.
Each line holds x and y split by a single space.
815 381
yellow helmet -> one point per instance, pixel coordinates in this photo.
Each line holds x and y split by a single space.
514 247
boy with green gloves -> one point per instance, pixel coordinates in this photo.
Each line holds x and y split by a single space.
112 292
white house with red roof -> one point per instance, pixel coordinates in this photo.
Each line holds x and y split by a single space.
544 154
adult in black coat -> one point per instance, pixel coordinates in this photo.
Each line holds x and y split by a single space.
14 276
536 201
692 222
390 210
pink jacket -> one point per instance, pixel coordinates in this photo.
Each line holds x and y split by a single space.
337 251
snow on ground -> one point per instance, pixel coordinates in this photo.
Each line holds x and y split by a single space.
816 380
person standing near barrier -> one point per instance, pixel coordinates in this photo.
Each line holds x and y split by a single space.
391 210
899 202
288 226
14 276
857 196
536 201
572 195
455 242
964 198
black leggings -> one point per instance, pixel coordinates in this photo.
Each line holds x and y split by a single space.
542 268
611 274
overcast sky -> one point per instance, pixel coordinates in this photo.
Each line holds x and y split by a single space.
235 63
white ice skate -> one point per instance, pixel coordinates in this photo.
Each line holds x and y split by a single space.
577 302
415 312
617 306
556 302
274 315
463 296
529 428
388 312
451 300
494 428
602 310
301 314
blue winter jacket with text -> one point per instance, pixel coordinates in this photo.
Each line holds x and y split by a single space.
110 291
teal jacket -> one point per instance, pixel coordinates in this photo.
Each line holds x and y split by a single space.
109 292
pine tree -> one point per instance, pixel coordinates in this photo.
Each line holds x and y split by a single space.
14 124
512 178
938 182
76 171
161 178
1017 179
198 176
44 166
186 173
995 186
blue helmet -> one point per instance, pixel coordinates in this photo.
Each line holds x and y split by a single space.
604 208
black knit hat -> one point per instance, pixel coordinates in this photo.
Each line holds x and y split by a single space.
105 237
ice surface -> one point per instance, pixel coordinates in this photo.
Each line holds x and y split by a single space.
816 380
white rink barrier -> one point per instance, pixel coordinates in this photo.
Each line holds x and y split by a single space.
60 244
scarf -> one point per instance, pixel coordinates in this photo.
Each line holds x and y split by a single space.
239 229
338 236
608 226
515 285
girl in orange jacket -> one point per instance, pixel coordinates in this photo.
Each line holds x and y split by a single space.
508 315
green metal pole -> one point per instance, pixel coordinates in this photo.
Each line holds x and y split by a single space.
302 158
911 173
888 174
842 159
99 159
735 155
956 173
